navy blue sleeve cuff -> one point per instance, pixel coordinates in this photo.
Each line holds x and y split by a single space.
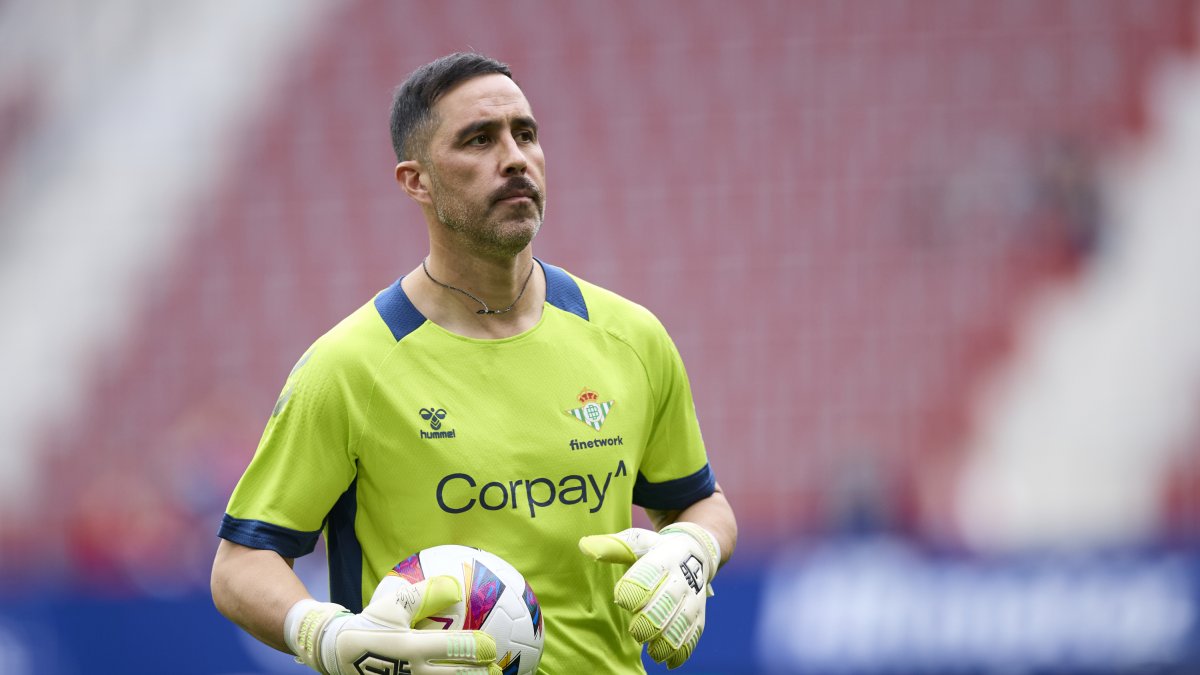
258 534
675 494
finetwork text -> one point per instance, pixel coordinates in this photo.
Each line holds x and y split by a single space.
595 443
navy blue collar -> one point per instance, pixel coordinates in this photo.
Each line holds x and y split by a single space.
402 317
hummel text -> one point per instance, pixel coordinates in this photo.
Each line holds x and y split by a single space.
437 434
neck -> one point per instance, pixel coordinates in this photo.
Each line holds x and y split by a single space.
453 289
495 282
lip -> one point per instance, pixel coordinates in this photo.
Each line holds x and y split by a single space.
520 196
518 190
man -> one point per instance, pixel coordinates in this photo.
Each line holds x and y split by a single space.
488 399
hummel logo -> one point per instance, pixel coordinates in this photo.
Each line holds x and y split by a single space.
434 416
691 569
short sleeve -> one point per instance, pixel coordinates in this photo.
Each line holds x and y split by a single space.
303 462
675 472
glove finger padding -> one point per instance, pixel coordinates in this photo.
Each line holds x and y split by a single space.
665 588
382 640
625 546
397 603
426 652
675 652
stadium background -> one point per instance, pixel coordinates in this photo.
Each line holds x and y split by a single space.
932 266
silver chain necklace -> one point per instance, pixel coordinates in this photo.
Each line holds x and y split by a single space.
485 310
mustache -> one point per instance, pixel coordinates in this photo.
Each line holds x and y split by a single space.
518 186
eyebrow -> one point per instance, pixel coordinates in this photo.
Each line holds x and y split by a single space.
521 122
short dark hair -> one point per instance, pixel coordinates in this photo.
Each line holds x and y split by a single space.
412 104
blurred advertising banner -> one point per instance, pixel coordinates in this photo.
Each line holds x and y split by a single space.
883 605
829 606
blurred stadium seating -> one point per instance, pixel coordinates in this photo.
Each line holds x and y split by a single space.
840 210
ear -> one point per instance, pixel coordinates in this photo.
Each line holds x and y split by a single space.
412 177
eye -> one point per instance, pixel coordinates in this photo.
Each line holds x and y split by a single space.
525 136
481 139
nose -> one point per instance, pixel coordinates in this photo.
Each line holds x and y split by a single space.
514 162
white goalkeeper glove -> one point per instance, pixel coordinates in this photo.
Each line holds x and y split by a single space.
667 585
332 640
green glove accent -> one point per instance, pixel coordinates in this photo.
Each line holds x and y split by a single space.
665 588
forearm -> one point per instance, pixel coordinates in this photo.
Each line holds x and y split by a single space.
713 513
254 589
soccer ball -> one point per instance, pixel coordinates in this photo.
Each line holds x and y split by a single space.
497 600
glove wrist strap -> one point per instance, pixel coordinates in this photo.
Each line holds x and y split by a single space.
304 626
704 537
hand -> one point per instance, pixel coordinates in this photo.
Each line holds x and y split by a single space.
330 639
667 585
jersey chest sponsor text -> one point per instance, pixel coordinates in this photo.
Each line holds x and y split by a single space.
463 492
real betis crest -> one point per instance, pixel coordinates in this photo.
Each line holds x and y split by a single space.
593 412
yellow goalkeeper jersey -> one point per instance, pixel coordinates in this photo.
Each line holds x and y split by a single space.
392 435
